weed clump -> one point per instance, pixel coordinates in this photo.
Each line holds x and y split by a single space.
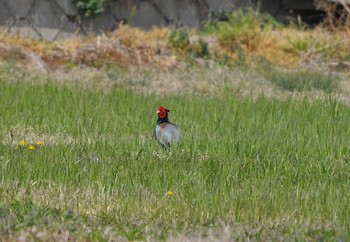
242 29
91 8
178 40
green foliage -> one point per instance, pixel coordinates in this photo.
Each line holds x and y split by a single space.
242 29
91 8
240 57
178 40
301 44
314 46
200 49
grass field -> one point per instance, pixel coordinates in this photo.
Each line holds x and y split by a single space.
248 168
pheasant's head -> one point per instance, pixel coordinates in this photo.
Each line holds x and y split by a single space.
162 112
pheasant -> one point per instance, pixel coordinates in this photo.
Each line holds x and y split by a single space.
166 133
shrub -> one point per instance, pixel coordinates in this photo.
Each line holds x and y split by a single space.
91 8
241 30
178 40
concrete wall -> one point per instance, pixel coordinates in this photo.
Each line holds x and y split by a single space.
59 19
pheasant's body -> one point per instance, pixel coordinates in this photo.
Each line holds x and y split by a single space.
166 133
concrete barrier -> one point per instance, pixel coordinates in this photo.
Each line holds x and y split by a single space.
60 19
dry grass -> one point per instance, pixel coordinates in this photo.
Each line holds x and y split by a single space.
139 39
282 46
123 47
338 15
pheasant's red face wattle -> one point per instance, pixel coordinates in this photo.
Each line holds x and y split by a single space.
162 112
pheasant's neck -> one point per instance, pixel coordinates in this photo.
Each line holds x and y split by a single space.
162 120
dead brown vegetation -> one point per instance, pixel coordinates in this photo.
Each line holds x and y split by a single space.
130 46
337 15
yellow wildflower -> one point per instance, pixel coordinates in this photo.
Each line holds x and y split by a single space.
23 143
170 193
32 147
40 143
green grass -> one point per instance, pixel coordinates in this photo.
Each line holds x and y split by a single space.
261 168
302 80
